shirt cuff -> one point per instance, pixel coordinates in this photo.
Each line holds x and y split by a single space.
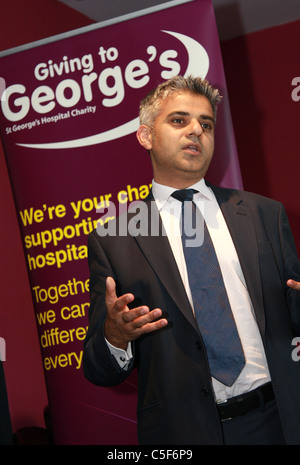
123 357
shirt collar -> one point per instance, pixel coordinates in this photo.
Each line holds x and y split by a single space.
162 193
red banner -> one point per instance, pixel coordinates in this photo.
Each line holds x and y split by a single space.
68 120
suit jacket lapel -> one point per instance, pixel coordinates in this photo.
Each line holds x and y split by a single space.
241 227
157 251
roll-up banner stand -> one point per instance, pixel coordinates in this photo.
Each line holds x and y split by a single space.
69 112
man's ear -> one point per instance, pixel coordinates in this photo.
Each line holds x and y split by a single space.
144 136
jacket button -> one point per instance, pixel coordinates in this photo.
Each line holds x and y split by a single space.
204 392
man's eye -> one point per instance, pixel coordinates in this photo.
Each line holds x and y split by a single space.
206 126
177 120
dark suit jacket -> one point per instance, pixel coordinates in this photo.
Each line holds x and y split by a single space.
175 398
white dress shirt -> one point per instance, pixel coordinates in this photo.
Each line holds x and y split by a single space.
255 371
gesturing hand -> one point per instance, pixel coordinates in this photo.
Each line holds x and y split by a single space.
293 284
122 324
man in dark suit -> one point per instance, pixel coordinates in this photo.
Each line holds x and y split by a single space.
144 312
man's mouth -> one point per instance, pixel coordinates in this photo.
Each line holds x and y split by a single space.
193 148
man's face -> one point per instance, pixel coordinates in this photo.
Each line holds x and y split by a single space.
181 144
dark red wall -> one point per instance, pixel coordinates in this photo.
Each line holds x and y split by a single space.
259 70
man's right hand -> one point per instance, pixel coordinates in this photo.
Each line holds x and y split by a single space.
124 325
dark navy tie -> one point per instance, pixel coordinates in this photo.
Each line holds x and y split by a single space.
211 305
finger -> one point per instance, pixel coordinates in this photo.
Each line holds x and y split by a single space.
135 313
110 289
293 284
111 298
121 302
154 326
150 317
141 316
134 332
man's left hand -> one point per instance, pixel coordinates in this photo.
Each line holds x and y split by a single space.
293 284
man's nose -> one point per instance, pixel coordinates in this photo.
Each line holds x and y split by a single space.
196 128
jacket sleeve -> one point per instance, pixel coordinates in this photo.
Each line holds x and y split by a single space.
291 266
99 365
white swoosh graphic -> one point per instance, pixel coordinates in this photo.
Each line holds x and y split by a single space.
106 136
198 65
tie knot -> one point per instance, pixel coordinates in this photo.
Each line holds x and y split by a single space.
184 194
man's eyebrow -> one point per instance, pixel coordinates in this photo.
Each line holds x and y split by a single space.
210 118
186 113
179 113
